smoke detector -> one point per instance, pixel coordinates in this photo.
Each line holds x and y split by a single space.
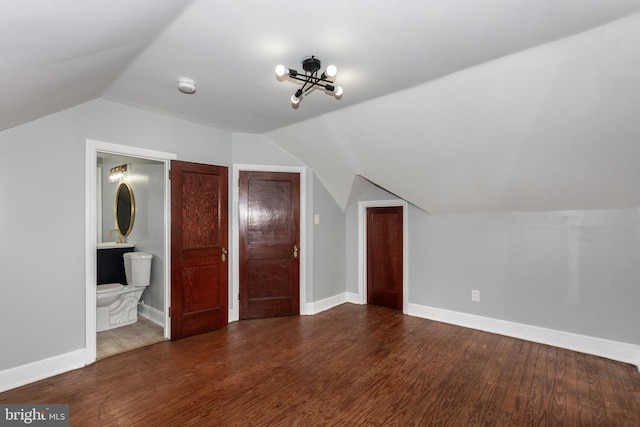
186 85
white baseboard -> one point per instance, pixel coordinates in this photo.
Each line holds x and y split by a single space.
329 303
151 313
622 352
36 371
352 297
326 304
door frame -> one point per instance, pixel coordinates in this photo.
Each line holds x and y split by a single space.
93 147
234 294
362 248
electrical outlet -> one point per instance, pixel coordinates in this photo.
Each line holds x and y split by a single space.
316 219
475 296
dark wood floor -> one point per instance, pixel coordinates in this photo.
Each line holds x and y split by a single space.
352 365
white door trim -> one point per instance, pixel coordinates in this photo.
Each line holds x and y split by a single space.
362 248
234 311
94 147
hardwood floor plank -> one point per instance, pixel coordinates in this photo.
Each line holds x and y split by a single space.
621 409
516 410
352 365
512 401
461 387
486 356
535 406
621 376
596 398
495 380
572 393
583 402
556 379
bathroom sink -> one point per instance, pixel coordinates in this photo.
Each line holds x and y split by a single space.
111 245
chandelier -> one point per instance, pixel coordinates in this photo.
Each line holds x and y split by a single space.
311 66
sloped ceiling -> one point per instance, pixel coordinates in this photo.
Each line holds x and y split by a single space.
456 106
57 54
551 128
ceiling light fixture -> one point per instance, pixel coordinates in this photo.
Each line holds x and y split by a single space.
186 85
117 173
311 66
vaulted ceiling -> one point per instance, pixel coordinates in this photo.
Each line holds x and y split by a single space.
456 106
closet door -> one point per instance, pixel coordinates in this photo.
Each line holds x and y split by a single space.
384 256
269 217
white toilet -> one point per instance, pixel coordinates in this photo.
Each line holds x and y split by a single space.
118 303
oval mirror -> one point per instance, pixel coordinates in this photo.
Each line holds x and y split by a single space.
124 209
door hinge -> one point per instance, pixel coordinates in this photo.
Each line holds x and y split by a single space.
169 311
169 174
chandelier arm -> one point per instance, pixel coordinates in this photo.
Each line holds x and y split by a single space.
307 78
307 81
314 85
321 78
322 83
304 79
298 77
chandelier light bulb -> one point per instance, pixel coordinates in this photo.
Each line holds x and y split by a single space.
331 71
295 100
280 70
338 91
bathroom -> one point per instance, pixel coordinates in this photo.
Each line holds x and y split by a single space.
145 179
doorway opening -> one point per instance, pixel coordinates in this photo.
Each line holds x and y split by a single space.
148 175
362 248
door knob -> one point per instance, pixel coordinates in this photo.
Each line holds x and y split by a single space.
224 254
295 251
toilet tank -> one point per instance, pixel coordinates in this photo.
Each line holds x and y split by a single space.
137 268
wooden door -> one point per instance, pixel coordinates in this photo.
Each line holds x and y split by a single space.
199 242
269 207
384 256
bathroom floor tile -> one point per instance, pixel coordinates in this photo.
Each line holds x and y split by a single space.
142 333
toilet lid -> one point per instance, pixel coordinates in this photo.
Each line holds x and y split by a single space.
109 287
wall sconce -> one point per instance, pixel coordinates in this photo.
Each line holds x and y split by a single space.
311 66
117 173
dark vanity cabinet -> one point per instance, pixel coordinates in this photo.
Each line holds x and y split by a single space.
110 263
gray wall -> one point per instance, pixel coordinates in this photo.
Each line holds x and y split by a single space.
42 215
574 271
329 244
147 235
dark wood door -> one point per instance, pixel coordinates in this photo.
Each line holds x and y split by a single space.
269 204
199 237
384 256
